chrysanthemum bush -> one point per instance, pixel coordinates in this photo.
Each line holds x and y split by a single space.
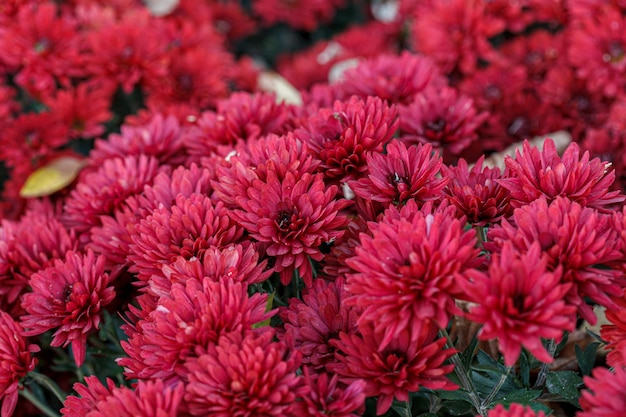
183 233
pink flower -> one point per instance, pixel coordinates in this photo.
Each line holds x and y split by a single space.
405 268
403 173
185 323
412 360
68 297
519 301
300 14
514 410
91 392
15 361
604 393
247 376
311 324
476 193
534 173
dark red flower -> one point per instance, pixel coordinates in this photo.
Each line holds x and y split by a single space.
443 118
413 359
534 173
16 360
402 173
577 239
519 302
396 79
91 392
312 323
604 393
341 137
327 397
188 228
247 376
293 217
69 298
185 323
476 193
614 332
514 410
405 268
300 14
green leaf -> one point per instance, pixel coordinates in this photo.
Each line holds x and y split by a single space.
561 344
565 384
524 368
587 357
457 408
427 415
268 307
523 396
467 356
456 395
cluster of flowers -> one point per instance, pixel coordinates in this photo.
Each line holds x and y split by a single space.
276 259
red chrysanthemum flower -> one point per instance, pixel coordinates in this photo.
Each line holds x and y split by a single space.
603 36
311 323
614 332
185 323
160 137
341 137
476 193
247 376
293 217
400 174
442 118
519 302
577 239
91 392
300 14
404 270
412 360
326 397
396 79
15 361
237 262
68 297
604 393
104 190
514 410
188 228
454 33
534 173
83 109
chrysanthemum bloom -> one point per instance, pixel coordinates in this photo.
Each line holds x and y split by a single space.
404 269
476 193
397 79
299 14
342 136
441 117
614 332
237 262
68 298
91 392
242 116
160 137
401 174
15 361
312 323
185 323
325 396
105 190
534 173
604 393
128 51
519 302
293 217
514 410
577 239
454 33
412 360
605 64
243 376
187 228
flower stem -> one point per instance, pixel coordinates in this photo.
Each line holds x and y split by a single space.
37 403
485 404
462 373
46 382
545 367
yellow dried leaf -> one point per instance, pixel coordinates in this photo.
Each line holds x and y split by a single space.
52 177
273 82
